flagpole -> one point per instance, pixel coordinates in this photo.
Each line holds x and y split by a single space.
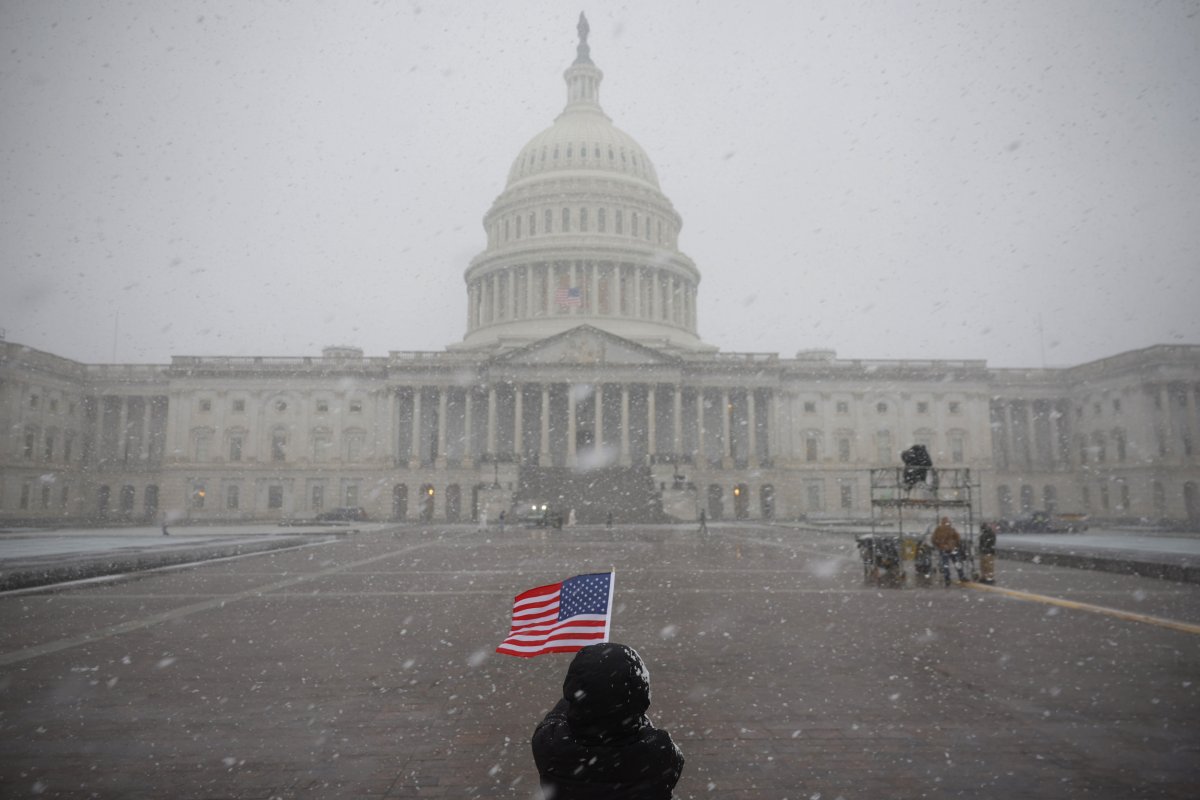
612 583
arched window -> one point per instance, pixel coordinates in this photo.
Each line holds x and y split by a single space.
566 220
618 221
279 444
549 221
532 224
583 220
633 224
601 222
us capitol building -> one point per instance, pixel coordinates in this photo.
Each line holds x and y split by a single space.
581 382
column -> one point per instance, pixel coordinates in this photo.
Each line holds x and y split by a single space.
528 292
414 454
651 421
518 427
751 424
1009 439
1030 436
468 434
677 421
625 458
491 421
511 275
594 290
614 290
1191 417
544 446
726 443
671 300
441 427
122 454
1164 398
570 425
701 455
599 415
144 443
391 428
574 284
637 292
655 291
548 289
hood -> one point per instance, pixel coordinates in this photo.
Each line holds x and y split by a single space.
608 690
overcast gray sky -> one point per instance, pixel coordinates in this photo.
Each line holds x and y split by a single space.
890 181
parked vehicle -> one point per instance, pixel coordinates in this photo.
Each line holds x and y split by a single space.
1044 522
344 514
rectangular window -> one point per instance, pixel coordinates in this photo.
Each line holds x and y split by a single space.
815 501
278 446
583 220
54 404
26 490
30 439
206 405
955 407
231 498
352 495
532 223
322 406
318 498
356 406
618 220
633 224
48 453
810 449
235 448
549 221
922 407
198 494
957 451
810 407
68 446
566 221
601 220
847 492
843 449
239 406
274 497
33 401
843 407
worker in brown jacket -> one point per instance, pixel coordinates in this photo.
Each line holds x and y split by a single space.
949 546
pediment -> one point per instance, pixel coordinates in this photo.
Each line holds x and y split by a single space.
587 345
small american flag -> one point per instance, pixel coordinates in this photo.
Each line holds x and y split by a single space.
568 297
562 617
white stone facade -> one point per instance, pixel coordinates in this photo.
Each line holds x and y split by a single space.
581 378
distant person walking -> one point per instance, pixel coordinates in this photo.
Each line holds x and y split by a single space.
987 553
501 520
947 541
703 522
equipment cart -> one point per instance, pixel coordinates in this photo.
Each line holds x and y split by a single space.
906 505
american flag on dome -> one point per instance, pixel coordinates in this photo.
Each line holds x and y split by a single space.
568 296
561 617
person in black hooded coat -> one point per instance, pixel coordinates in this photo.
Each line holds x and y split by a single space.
597 741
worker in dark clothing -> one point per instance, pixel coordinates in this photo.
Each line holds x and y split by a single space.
597 743
987 553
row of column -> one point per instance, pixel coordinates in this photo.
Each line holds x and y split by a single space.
492 422
529 291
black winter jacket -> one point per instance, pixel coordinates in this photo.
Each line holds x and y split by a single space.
597 743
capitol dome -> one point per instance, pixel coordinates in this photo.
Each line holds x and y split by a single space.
582 234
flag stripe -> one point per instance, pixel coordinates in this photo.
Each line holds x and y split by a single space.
560 617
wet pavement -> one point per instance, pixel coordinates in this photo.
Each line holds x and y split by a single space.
362 665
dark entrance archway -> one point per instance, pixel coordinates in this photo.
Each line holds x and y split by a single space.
741 501
453 503
426 500
400 501
716 501
1191 501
